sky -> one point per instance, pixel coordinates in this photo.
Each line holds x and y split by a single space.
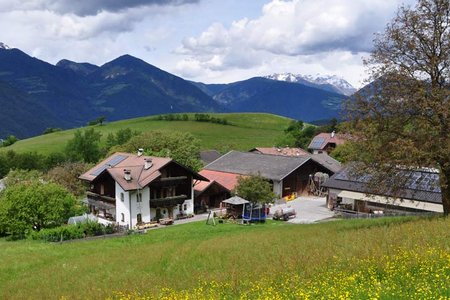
212 41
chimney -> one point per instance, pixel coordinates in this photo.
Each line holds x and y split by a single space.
140 152
148 163
127 174
333 134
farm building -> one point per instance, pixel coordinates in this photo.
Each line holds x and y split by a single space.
287 174
326 142
209 194
131 189
351 192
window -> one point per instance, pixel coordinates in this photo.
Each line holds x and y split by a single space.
123 217
139 197
139 218
185 207
122 197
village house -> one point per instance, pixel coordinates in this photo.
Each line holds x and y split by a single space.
132 189
350 192
287 174
326 142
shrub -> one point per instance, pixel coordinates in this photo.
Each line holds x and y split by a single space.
9 141
51 130
72 232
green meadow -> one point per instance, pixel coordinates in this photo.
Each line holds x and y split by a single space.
386 258
247 130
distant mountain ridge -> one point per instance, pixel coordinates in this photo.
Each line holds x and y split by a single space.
36 95
292 100
330 83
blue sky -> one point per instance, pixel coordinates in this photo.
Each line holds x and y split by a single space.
203 40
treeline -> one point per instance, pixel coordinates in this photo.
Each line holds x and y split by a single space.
199 117
11 160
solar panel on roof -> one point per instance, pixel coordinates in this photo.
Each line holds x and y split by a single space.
424 181
111 163
317 142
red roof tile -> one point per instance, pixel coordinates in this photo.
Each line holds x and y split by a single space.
227 180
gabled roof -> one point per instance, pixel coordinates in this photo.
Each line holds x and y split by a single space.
227 180
323 159
420 186
327 161
273 167
286 151
320 141
115 165
209 156
201 186
236 200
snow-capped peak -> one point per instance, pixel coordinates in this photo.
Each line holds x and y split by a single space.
4 46
339 84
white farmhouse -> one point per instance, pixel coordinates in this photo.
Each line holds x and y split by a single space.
134 189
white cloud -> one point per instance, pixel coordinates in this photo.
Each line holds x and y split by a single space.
85 8
317 35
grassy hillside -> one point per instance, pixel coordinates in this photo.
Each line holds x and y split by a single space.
247 131
402 258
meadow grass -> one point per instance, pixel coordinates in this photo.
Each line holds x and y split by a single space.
247 131
342 259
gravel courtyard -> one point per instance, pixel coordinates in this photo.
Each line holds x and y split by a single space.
308 209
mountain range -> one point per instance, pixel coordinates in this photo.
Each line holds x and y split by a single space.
330 83
35 95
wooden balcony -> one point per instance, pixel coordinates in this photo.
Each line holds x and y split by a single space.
168 201
98 197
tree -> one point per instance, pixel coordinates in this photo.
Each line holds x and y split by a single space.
181 146
98 121
255 189
297 134
402 120
9 141
35 205
84 146
120 137
51 130
67 175
18 176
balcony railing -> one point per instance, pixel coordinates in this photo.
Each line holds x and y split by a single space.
168 201
97 197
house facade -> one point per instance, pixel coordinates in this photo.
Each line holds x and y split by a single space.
132 189
326 142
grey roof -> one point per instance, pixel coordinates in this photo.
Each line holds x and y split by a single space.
273 167
236 200
420 186
327 161
209 156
